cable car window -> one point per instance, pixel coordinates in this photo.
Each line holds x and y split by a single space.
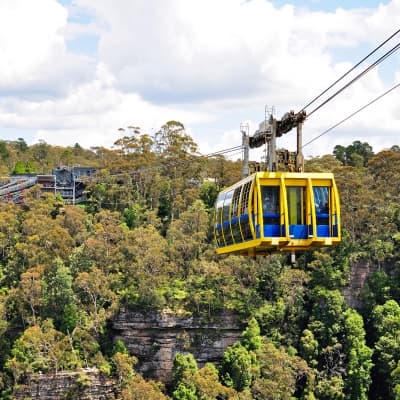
225 217
237 236
244 219
218 236
271 210
235 202
321 199
219 205
270 199
227 203
245 198
218 224
322 207
296 197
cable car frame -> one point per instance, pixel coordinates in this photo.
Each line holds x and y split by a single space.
277 211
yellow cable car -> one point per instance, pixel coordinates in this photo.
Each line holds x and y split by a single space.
278 211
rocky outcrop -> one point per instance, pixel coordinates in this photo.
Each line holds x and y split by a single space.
155 339
360 270
87 384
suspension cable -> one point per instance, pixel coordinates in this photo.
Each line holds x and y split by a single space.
352 115
176 163
373 65
220 152
350 70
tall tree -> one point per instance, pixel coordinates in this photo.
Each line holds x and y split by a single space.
386 321
357 154
237 367
187 235
279 374
179 167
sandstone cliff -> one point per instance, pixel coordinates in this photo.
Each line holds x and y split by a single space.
360 270
86 384
155 339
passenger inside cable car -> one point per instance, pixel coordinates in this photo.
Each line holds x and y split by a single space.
321 199
271 212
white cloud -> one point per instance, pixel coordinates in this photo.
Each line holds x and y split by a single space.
209 64
91 114
188 50
185 50
34 61
28 36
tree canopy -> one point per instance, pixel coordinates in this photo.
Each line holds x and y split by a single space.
143 241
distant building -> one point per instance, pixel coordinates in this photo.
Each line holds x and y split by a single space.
69 182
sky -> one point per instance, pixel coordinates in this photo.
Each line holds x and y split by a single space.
76 71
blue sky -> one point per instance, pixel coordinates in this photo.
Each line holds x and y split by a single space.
74 71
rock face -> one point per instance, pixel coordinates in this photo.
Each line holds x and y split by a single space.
359 273
155 339
87 384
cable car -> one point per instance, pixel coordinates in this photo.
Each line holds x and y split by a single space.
277 211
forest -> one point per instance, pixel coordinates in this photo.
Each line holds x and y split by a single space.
144 240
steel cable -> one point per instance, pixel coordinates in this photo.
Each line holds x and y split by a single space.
351 69
352 115
369 68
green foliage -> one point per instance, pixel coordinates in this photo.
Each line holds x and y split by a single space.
19 168
24 168
41 348
4 152
209 193
21 145
183 392
209 387
386 323
123 367
334 345
251 338
326 163
119 347
70 317
279 373
237 367
357 154
189 382
327 272
395 375
359 357
143 241
138 388
58 296
326 320
184 364
271 317
134 216
188 235
330 388
377 291
309 348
